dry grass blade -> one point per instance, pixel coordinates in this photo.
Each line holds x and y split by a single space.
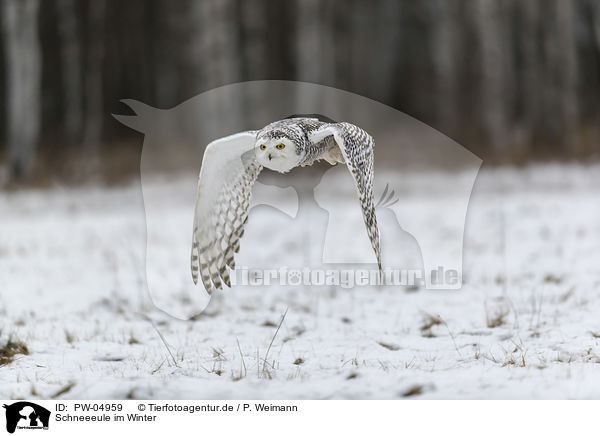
63 390
413 390
164 341
242 356
273 339
389 346
10 349
429 321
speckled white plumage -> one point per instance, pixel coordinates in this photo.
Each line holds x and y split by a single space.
231 165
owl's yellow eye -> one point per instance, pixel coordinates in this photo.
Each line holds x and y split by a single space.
263 147
280 146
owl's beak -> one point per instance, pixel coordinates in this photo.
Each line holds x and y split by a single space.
270 156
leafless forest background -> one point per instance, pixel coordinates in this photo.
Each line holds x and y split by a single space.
511 80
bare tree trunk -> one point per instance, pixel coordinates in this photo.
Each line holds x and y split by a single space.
166 78
214 55
444 52
254 34
308 51
71 67
589 101
214 43
23 63
566 65
596 23
529 77
313 52
381 60
94 94
495 81
557 84
315 41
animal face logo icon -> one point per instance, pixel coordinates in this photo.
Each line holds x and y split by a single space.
26 415
321 224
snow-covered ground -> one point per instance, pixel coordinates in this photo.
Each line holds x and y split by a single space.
524 325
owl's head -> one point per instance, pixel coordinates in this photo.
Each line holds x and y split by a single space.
277 152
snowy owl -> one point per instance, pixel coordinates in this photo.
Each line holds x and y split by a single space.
231 165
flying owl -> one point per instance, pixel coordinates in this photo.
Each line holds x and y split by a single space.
231 165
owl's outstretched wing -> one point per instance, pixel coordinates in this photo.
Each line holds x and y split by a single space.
357 146
228 172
